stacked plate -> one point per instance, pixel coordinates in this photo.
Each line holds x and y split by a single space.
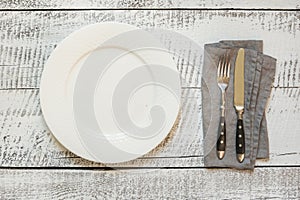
110 92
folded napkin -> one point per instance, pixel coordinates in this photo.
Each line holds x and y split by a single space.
259 75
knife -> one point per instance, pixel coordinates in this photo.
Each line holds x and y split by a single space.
239 103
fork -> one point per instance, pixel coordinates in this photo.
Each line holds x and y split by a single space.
223 73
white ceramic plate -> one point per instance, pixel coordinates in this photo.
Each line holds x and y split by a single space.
110 93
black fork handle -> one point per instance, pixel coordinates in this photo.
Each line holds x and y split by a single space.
221 142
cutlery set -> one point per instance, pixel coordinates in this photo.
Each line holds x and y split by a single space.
223 77
236 84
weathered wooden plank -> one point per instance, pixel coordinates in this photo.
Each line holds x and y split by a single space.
15 77
125 4
26 141
28 38
263 183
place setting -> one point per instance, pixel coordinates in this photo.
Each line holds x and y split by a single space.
111 93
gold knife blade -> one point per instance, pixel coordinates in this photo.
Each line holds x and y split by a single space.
239 103
239 80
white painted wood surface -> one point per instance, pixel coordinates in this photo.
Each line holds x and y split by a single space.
27 39
26 141
272 183
154 4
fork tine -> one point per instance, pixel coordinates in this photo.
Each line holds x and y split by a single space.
219 67
223 70
228 68
224 66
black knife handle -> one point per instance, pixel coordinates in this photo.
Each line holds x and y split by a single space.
221 142
240 141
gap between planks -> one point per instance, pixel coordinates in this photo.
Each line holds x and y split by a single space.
141 168
154 9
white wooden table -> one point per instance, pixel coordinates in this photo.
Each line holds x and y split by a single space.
33 165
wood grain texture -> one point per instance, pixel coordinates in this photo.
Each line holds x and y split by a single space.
127 4
264 183
27 39
26 140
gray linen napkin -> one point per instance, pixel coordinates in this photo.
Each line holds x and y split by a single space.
259 76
